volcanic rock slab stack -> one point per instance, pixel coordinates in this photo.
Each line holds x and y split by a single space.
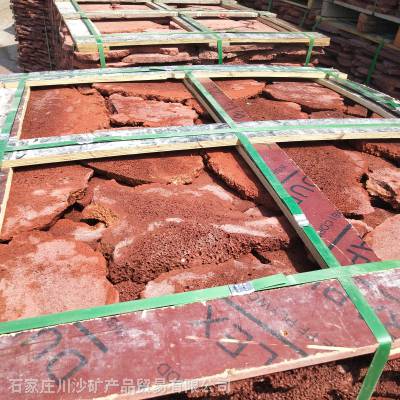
150 33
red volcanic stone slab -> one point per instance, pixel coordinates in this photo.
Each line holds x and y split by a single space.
385 184
150 113
385 239
61 111
223 24
175 168
234 171
241 88
329 114
164 91
131 26
51 191
42 274
156 228
337 173
261 109
245 268
66 228
357 110
390 151
311 96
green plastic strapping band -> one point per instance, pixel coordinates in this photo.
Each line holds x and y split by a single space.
367 313
96 36
374 61
368 92
310 48
169 134
269 5
318 20
303 20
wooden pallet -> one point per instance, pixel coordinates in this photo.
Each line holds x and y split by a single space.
251 329
195 33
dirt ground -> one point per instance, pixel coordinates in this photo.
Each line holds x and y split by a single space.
8 45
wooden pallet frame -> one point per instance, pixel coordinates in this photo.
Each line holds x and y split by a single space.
373 278
195 33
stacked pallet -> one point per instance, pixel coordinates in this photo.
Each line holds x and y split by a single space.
364 44
150 33
302 13
389 7
32 29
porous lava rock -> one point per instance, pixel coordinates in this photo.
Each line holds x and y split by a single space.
173 92
385 239
235 173
150 113
39 195
63 110
311 96
261 109
79 231
385 184
245 268
156 228
178 168
338 173
42 274
241 88
388 150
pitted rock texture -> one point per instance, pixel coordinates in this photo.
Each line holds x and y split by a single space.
58 111
388 150
311 96
39 195
79 231
41 274
261 109
156 228
178 168
150 113
174 92
385 184
245 268
385 239
233 170
240 88
337 173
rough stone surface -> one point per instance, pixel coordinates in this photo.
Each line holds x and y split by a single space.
337 173
361 227
261 109
79 231
61 111
385 184
150 113
174 92
230 167
39 195
388 150
241 88
245 268
166 168
41 274
155 228
385 239
311 96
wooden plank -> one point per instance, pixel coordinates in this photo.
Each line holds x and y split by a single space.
334 229
86 43
197 140
250 335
